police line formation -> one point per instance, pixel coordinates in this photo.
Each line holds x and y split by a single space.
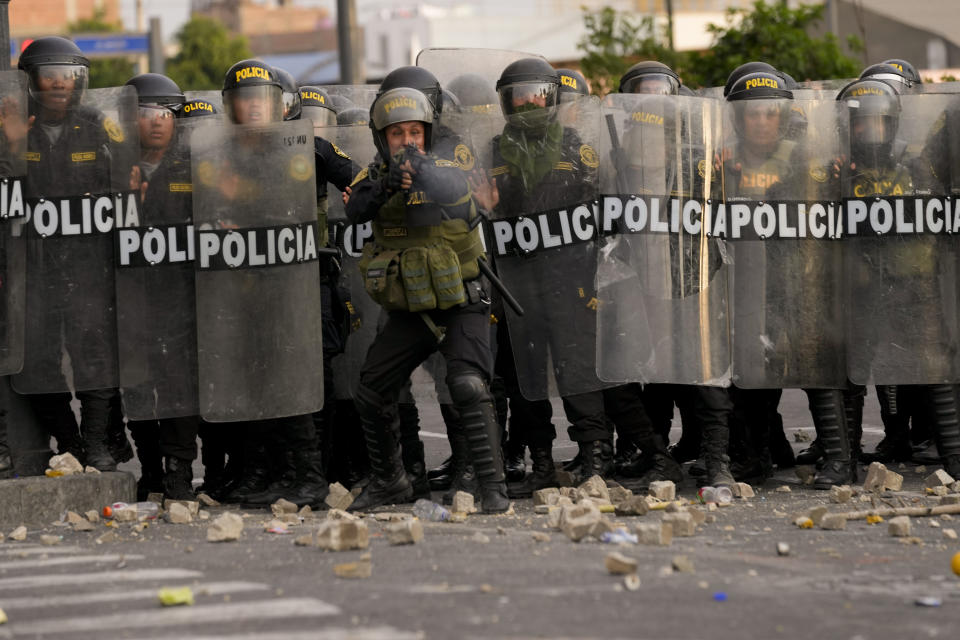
173 260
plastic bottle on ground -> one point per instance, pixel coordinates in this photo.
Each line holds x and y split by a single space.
430 511
719 495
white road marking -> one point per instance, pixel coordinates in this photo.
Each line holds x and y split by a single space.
55 562
41 602
164 618
35 551
95 577
355 633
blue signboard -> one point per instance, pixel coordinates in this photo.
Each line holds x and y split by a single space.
118 44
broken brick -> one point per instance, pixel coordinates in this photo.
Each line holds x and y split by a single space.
343 535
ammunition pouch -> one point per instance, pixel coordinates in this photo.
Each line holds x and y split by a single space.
413 279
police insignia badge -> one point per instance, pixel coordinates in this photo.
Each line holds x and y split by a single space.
205 172
300 167
588 156
818 173
113 129
464 157
702 168
339 151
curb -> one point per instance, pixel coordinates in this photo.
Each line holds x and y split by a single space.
40 501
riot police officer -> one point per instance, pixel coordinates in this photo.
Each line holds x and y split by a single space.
291 95
315 106
422 269
70 151
572 84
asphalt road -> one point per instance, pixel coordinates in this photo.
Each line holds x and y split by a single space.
488 577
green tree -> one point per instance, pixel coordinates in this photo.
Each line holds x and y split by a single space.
207 50
776 34
104 72
614 43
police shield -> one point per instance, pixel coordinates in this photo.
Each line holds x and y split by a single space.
448 64
257 279
79 161
780 216
156 296
351 96
543 237
357 142
900 246
13 169
662 279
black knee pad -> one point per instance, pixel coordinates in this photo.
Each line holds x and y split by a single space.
468 388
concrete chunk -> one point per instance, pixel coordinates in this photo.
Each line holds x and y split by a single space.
542 496
603 526
899 527
949 534
655 533
596 487
190 505
343 535
663 490
938 478
340 514
633 506
283 506
227 527
578 521
339 497
880 479
682 564
405 532
65 464
619 564
742 490
682 523
840 494
178 514
463 503
833 522
619 494
816 514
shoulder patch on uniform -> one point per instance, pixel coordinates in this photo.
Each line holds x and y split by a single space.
464 157
32 156
181 187
83 156
499 171
113 129
818 173
563 166
300 168
360 176
440 162
588 156
337 150
702 168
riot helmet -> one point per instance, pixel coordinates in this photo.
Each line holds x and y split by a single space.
450 102
746 69
892 75
58 73
158 98
908 70
339 103
252 93
528 90
353 115
652 77
399 106
315 106
874 110
415 78
291 96
197 109
572 85
154 88
763 85
474 92
761 117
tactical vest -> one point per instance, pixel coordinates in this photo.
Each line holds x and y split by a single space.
421 268
756 182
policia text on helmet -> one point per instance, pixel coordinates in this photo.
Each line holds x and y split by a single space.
758 112
252 93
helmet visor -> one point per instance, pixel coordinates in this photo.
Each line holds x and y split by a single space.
652 83
524 97
291 105
320 116
254 105
54 85
897 81
153 111
871 129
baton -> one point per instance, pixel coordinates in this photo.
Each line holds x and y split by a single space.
499 286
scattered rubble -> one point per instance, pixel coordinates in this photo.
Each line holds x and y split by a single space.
681 523
578 521
619 564
177 513
283 506
362 568
833 522
19 534
880 479
405 532
841 494
938 478
343 535
899 527
227 527
783 549
463 503
663 490
682 564
655 533
339 497
64 464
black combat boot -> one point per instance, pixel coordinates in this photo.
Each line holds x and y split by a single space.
895 445
281 487
478 419
542 476
596 459
146 435
658 465
117 442
626 458
781 453
95 446
388 480
255 476
829 419
178 479
853 408
441 477
811 455
514 460
713 447
463 477
946 425
310 487
416 467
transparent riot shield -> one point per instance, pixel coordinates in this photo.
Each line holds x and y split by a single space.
258 284
448 64
79 170
357 142
156 294
662 280
13 170
358 96
213 97
900 247
542 236
781 218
